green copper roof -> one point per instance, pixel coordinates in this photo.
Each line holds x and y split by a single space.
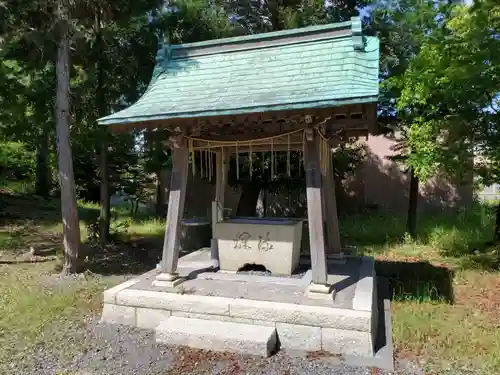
312 67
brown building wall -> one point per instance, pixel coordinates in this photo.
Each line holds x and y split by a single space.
386 182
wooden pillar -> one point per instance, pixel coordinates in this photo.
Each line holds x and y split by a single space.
178 181
315 213
221 176
221 181
333 246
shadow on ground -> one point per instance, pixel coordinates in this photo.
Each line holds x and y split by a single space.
420 281
22 207
135 257
120 259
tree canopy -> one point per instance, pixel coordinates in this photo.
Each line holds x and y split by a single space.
443 90
452 89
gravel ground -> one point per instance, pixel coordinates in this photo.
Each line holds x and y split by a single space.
101 349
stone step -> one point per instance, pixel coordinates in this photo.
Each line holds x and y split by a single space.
217 335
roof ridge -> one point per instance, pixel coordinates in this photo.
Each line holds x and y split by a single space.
348 29
349 26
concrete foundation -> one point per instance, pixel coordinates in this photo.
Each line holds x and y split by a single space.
344 324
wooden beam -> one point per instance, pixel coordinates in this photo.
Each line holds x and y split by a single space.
248 131
257 148
348 123
176 199
278 138
314 208
330 204
269 121
266 148
371 118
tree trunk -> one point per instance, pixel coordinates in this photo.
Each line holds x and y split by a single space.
411 223
497 224
71 229
105 214
43 178
247 206
274 8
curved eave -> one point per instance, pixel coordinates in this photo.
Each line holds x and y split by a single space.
115 119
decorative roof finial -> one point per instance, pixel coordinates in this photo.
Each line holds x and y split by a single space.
357 34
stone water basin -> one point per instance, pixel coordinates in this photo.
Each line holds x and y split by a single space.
271 242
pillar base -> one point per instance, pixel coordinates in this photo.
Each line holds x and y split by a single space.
168 280
214 252
320 291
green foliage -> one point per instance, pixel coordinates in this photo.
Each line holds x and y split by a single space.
16 161
262 16
118 231
451 88
402 27
347 158
113 53
196 20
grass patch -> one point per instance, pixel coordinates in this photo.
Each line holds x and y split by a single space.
464 335
461 238
37 310
444 284
447 321
16 187
444 338
150 227
454 234
11 239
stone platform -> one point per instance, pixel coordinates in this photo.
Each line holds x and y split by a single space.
344 324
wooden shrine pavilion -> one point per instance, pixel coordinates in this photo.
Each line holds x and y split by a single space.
294 90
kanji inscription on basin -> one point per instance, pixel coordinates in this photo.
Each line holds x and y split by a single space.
242 242
264 243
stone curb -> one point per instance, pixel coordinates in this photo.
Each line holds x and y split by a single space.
306 315
174 301
218 336
363 294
